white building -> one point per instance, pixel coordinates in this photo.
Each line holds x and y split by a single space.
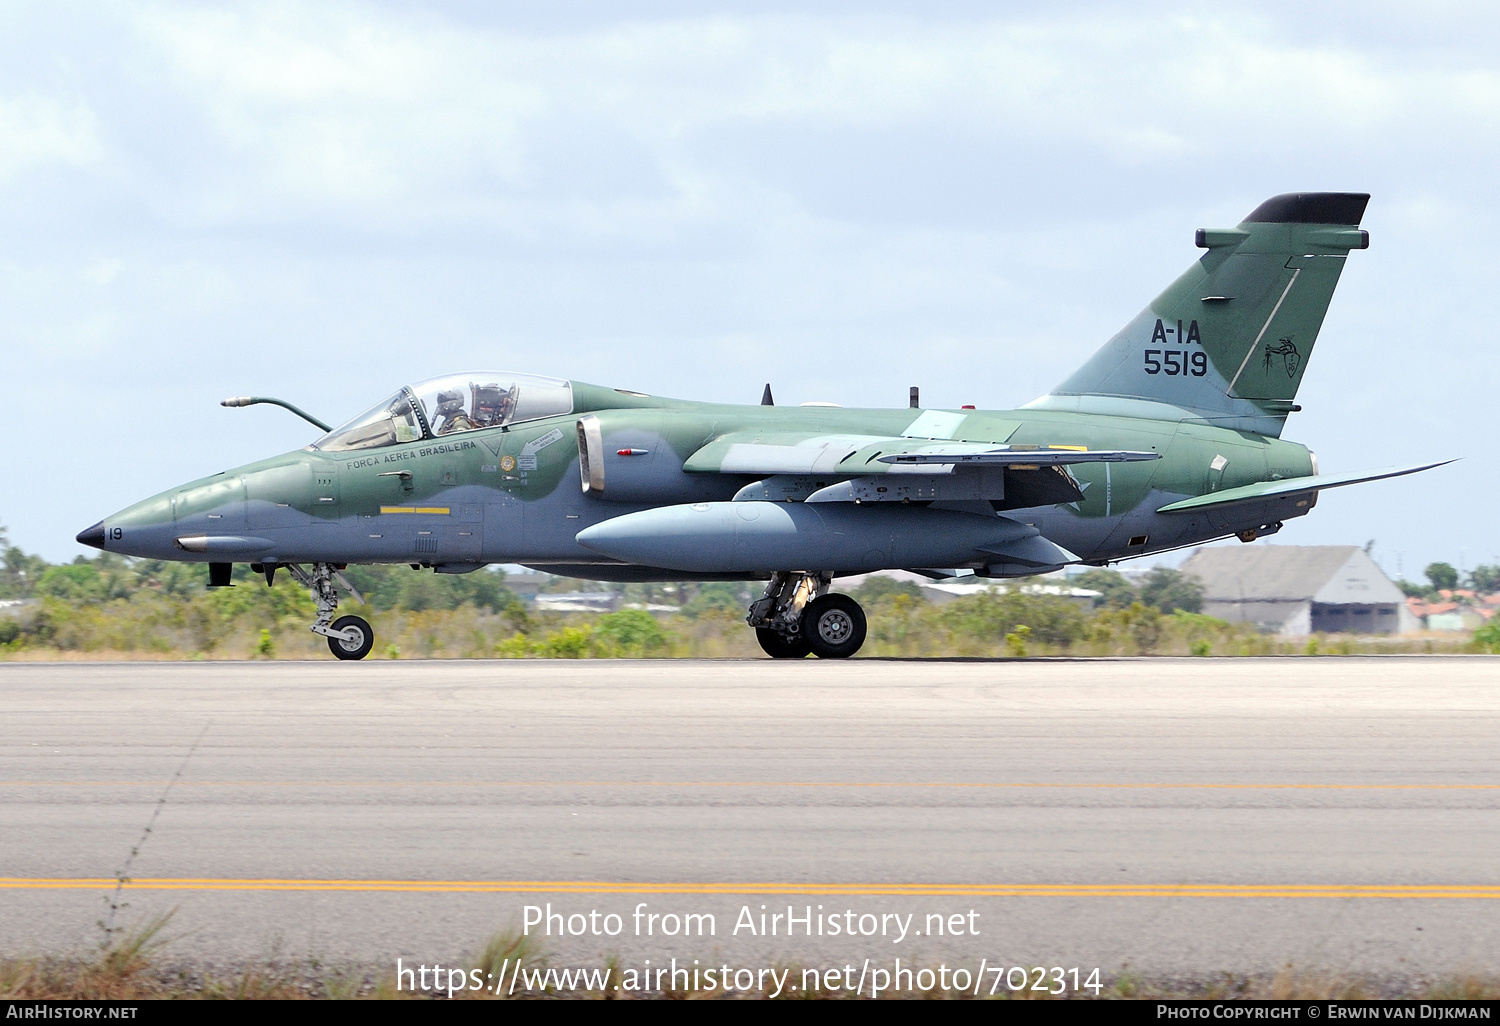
1296 590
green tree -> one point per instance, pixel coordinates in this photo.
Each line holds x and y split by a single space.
717 597
1442 576
21 571
183 580
76 583
1115 591
400 587
1170 590
1485 578
878 586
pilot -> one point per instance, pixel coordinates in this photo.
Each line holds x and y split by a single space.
403 424
450 413
494 405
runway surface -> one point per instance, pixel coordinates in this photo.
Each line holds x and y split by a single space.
1179 817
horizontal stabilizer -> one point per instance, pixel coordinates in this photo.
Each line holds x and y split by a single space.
1289 486
1008 456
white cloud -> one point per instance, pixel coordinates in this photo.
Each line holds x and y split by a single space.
366 116
38 131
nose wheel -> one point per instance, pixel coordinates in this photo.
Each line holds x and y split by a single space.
352 637
349 637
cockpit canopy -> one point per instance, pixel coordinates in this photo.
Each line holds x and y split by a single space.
450 404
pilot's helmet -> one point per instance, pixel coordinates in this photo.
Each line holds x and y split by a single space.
449 402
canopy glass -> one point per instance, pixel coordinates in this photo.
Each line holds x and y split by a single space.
451 404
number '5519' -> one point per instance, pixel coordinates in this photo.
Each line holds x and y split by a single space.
1174 362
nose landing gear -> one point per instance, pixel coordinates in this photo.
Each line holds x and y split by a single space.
349 637
797 616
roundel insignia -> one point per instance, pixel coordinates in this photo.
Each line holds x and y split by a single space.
507 463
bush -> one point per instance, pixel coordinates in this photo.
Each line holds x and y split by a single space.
514 647
1139 626
568 643
1015 642
990 617
630 632
1488 637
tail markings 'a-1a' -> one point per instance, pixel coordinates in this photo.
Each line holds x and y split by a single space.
1228 341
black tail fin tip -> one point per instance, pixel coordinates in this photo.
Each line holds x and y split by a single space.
1311 208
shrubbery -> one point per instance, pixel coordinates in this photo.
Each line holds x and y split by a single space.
153 608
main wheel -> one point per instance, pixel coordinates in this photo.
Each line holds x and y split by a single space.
364 638
780 646
834 626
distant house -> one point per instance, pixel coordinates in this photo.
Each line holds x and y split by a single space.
526 585
1460 610
579 602
1296 590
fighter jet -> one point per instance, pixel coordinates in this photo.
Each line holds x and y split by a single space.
1169 436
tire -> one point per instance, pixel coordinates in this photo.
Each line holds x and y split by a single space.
834 626
779 646
352 650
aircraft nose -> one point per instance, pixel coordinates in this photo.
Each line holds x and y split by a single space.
92 535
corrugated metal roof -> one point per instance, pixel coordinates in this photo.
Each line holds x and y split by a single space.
1267 572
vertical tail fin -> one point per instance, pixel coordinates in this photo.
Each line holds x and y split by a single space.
1229 341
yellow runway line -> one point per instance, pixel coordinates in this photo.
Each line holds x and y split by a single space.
997 785
827 890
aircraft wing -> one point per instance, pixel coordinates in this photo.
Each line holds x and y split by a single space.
1290 486
1011 455
784 452
806 453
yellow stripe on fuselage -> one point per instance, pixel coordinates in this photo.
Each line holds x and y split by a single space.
442 511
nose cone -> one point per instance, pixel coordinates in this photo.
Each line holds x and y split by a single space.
92 535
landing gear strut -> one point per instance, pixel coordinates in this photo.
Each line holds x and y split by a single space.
797 615
349 637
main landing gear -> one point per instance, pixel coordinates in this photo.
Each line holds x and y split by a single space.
798 615
349 637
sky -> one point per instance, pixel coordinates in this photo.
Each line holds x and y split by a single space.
324 201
